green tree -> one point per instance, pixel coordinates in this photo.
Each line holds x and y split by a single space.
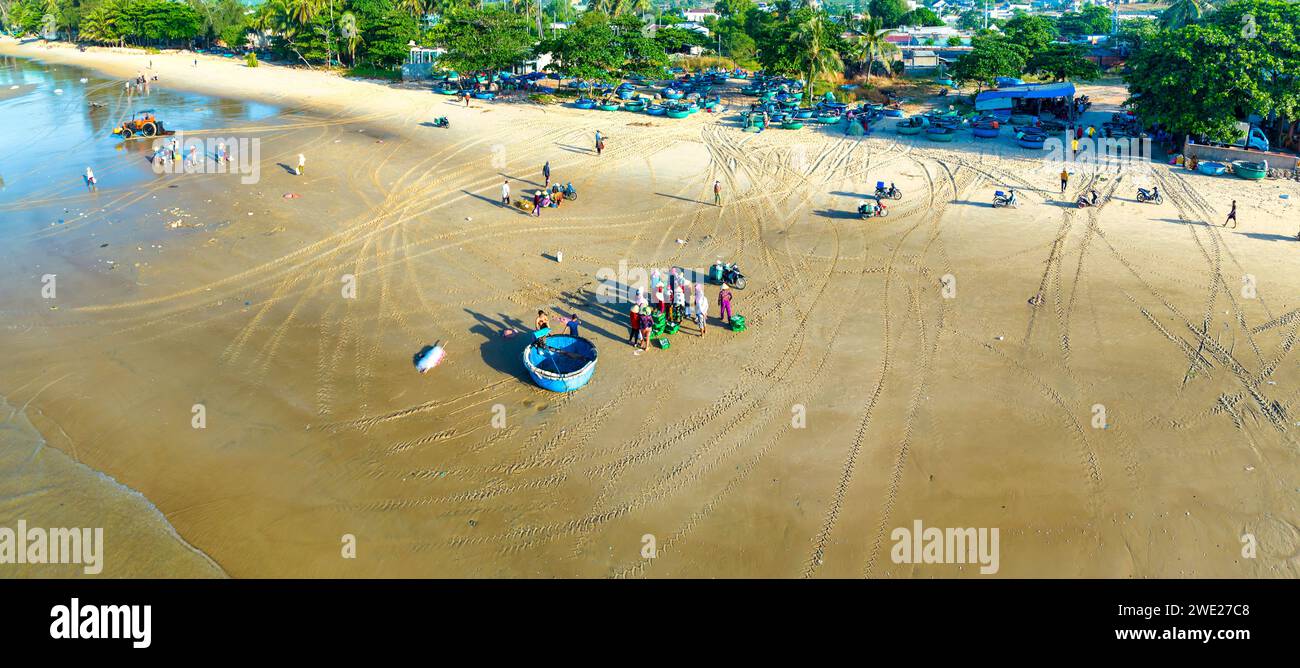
1064 61
921 16
492 39
1203 78
990 58
1181 13
1031 31
890 12
1093 20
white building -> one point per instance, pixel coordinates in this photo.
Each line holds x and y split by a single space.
698 15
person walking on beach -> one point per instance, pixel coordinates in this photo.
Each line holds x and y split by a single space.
537 203
302 164
505 192
546 173
600 147
724 303
679 302
573 325
1232 215
1065 179
90 180
701 308
717 193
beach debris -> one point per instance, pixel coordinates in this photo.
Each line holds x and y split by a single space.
559 256
430 357
467 219
58 91
292 195
1036 300
1250 468
681 242
84 79
997 338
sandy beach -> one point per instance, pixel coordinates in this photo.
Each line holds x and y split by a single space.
949 359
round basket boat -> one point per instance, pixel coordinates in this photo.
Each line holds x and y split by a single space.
1032 141
484 95
945 82
907 129
672 94
655 110
585 103
939 134
634 105
561 363
609 106
828 119
446 90
792 125
1252 171
804 114
1211 168
984 131
625 93
894 113
677 113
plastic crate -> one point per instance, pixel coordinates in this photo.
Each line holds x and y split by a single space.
663 343
672 328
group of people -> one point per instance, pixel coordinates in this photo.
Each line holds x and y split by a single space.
677 299
549 195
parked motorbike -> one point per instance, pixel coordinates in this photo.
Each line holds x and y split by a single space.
441 122
869 210
729 274
891 192
1152 195
1085 201
1001 199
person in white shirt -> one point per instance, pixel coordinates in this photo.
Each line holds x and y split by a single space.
701 308
505 192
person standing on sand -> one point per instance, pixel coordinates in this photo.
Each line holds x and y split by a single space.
573 325
546 173
634 324
717 193
90 180
724 303
701 308
537 203
1232 215
505 192
600 147
1065 179
302 164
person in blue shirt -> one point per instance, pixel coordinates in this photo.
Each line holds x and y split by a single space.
573 325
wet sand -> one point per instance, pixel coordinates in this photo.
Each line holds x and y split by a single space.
970 411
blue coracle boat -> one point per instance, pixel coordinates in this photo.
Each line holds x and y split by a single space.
561 363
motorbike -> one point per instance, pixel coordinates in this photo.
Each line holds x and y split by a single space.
570 192
441 122
891 192
1152 195
729 274
1085 201
1001 199
868 210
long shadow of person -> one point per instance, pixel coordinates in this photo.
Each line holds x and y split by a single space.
504 354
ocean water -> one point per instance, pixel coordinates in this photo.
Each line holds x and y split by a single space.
53 125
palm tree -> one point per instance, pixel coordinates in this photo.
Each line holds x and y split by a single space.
810 37
1183 13
351 36
872 44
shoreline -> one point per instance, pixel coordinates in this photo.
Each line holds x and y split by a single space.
114 506
326 93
